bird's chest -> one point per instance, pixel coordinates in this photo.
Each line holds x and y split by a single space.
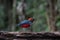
25 25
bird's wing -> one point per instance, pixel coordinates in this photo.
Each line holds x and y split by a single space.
23 22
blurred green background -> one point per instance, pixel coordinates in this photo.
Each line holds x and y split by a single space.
9 13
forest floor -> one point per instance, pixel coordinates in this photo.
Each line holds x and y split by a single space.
30 35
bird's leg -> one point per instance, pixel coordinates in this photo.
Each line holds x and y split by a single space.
25 30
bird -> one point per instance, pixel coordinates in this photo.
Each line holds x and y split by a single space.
25 24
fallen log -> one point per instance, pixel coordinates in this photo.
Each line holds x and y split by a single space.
31 35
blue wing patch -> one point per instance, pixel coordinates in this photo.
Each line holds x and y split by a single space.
25 22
